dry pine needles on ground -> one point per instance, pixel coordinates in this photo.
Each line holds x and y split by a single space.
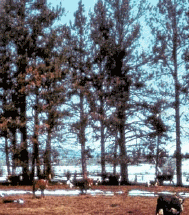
117 204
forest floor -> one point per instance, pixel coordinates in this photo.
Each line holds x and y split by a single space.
120 203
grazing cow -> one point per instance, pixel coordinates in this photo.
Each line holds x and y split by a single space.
20 201
152 183
169 205
83 184
164 177
41 184
21 179
14 179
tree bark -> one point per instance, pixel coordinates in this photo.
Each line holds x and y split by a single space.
22 64
14 153
48 155
123 153
35 160
177 101
115 155
82 137
103 170
7 156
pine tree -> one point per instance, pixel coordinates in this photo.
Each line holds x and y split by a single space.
9 112
119 51
80 67
100 27
167 24
32 41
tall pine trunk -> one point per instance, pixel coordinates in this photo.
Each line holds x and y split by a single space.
14 153
35 159
22 63
115 154
23 129
82 137
7 156
103 170
177 101
123 153
48 170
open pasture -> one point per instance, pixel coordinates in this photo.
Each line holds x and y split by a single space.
119 203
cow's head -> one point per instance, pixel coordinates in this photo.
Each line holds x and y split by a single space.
169 204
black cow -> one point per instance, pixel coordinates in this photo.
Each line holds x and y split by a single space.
164 177
169 205
109 179
14 179
20 201
83 184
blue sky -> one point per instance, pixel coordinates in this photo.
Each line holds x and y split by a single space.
71 6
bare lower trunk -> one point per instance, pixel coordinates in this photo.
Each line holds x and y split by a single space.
14 157
115 156
82 137
123 162
24 153
83 161
7 156
157 154
48 155
103 170
123 153
178 147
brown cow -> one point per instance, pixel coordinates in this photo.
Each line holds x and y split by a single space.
90 182
41 184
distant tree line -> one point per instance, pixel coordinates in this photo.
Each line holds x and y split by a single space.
116 76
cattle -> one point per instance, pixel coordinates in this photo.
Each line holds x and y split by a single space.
69 183
109 179
15 179
164 177
83 184
40 184
7 200
169 205
21 179
152 183
96 182
89 182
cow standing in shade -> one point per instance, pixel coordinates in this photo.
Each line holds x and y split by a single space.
169 205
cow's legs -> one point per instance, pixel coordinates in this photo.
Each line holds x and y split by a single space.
42 193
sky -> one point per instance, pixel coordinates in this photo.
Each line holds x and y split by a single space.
71 6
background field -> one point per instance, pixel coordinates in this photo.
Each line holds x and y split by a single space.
118 204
